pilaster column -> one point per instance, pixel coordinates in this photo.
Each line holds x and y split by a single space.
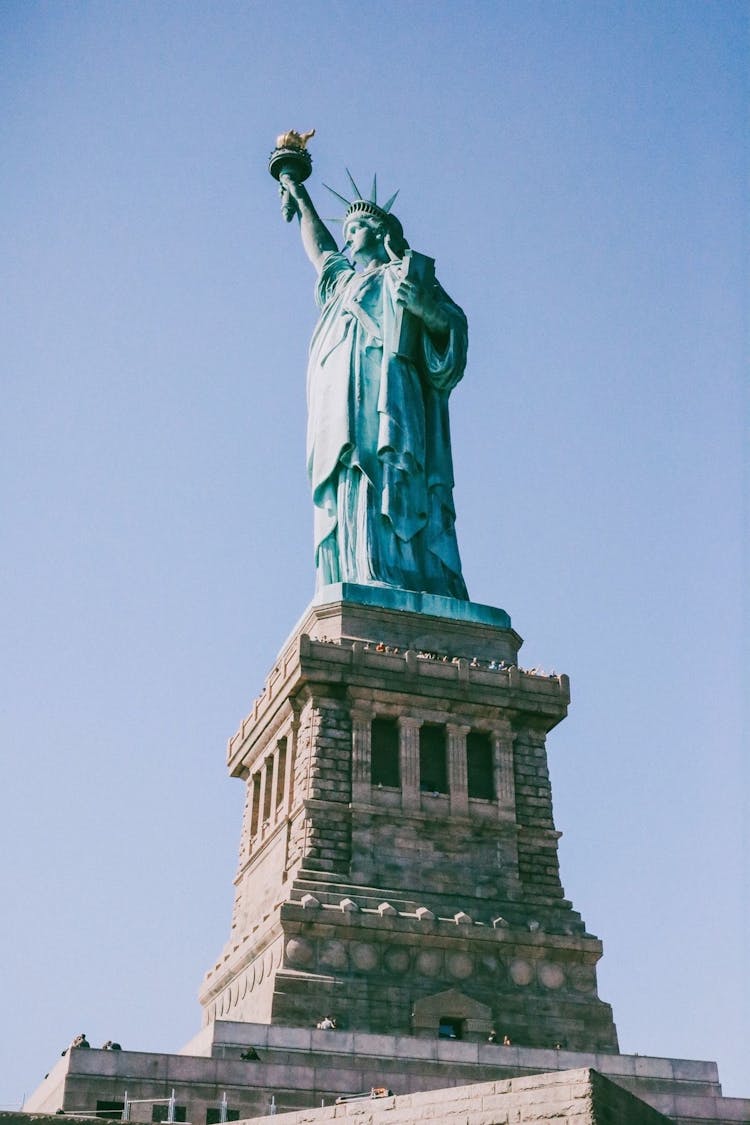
408 730
291 758
262 799
361 756
254 821
274 786
502 750
290 797
247 834
458 777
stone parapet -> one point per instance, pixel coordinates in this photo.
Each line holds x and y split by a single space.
300 1066
455 643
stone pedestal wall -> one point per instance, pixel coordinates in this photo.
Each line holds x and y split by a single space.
434 891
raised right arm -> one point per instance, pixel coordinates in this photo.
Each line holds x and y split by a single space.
317 240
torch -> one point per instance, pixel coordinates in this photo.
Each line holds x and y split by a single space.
291 157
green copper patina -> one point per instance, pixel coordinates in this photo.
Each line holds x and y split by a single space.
389 347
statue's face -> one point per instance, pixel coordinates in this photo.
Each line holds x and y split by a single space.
364 240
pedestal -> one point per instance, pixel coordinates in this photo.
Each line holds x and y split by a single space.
398 857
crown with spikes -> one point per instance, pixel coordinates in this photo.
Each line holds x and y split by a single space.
369 207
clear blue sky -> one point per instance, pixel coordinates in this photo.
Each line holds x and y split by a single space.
577 170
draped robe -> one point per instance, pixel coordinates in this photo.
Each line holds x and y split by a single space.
378 439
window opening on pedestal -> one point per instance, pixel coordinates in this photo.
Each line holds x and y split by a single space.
449 1027
479 767
433 770
109 1110
169 1112
384 753
214 1116
161 1113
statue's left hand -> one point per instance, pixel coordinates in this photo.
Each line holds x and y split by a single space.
421 303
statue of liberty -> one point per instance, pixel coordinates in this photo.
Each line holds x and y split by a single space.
388 348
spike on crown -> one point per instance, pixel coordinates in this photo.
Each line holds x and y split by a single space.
367 207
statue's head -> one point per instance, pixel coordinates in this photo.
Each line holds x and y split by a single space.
378 217
382 223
